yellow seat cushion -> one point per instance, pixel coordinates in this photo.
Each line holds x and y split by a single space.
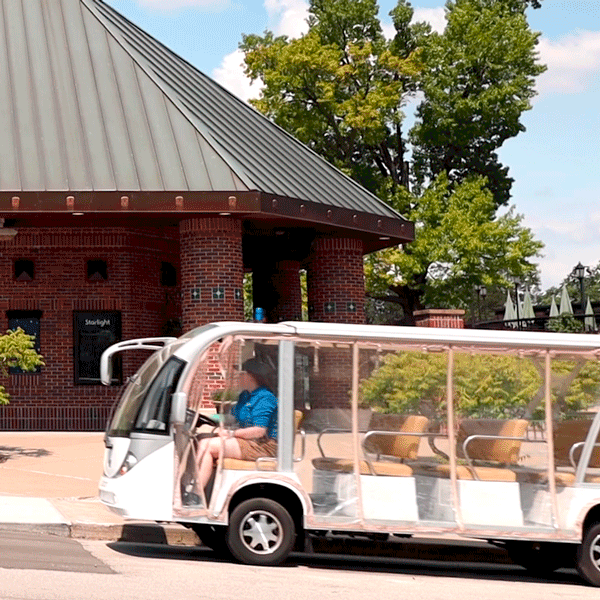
396 444
249 465
343 465
498 450
483 473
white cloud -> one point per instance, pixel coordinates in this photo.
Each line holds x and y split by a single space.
287 17
436 17
573 63
230 74
170 5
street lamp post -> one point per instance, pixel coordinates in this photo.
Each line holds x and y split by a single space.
481 295
579 272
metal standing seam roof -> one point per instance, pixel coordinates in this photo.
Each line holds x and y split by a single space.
89 102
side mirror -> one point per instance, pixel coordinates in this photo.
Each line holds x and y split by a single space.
178 408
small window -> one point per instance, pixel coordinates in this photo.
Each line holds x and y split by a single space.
156 409
97 270
24 270
168 275
29 322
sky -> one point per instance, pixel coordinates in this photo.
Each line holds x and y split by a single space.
555 163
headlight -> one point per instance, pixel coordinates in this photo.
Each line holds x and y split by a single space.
128 464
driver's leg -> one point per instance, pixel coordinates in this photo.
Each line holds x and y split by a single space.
209 452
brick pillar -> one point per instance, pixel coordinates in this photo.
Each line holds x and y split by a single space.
211 271
336 281
286 283
276 288
440 317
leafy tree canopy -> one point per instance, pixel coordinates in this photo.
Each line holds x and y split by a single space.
459 243
342 89
16 350
485 385
479 78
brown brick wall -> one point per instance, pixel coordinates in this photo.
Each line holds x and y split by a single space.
440 318
60 287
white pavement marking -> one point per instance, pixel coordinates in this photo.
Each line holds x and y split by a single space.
46 473
29 510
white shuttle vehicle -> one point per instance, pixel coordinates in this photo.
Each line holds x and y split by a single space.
381 431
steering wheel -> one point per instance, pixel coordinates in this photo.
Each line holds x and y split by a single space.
191 416
205 420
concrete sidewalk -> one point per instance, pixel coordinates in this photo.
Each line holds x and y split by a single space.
49 483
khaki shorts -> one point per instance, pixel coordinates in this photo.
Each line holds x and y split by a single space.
253 449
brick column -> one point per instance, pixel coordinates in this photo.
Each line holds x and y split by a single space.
211 271
336 281
276 289
286 283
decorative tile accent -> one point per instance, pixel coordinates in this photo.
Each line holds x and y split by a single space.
329 307
311 309
218 293
237 294
351 307
195 295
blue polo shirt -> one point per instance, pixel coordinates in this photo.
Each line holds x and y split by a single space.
257 409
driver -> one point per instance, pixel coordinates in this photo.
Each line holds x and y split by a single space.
256 413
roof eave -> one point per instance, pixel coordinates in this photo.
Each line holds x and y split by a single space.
254 204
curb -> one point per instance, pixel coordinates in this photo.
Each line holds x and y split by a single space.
135 532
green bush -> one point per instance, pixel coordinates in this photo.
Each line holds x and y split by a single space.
17 350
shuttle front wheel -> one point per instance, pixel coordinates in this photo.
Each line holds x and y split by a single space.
260 532
588 556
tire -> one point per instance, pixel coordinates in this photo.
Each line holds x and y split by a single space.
540 558
213 536
588 556
260 532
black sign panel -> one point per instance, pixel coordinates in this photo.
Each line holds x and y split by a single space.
94 332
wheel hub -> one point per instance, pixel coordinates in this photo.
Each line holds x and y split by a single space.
595 552
261 532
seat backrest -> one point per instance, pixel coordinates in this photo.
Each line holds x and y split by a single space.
400 446
298 414
495 450
568 433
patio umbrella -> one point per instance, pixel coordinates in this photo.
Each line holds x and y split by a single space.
509 311
589 322
565 302
553 308
527 311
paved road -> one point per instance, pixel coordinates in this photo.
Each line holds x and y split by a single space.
31 551
100 571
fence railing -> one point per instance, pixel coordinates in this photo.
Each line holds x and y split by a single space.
15 417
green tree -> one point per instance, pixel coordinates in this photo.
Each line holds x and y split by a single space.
460 242
342 88
485 385
478 80
17 350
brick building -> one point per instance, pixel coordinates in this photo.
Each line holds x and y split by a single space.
135 193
